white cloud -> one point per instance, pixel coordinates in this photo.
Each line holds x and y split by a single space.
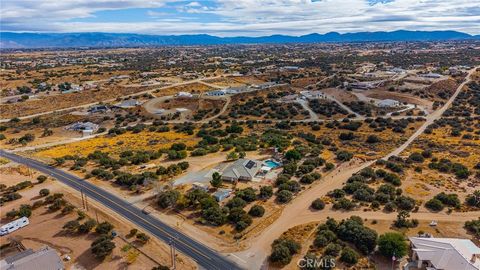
193 4
247 17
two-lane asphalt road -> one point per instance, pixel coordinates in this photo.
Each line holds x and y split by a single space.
204 256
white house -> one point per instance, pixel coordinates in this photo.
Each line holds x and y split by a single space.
432 75
444 254
242 169
388 103
130 103
184 94
312 95
200 186
221 194
83 127
217 93
44 258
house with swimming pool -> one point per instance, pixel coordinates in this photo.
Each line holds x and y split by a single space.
247 169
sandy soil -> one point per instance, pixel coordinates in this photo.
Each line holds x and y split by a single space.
340 95
46 229
402 97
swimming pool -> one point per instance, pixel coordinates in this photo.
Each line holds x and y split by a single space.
272 164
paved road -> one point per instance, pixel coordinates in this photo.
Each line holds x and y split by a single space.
204 256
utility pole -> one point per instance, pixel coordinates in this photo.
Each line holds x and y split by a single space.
172 253
83 200
96 215
86 202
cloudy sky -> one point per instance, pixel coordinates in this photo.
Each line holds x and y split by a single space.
238 17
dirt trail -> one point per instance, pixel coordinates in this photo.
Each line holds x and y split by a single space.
222 111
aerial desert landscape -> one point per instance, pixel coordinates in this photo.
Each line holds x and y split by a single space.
273 152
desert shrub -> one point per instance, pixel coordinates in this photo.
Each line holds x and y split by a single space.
104 227
349 256
265 192
282 251
318 204
473 226
44 192
257 211
102 246
434 205
284 196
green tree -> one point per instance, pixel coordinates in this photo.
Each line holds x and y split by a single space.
349 256
232 155
169 198
104 227
216 180
102 246
293 155
25 210
266 192
284 196
143 238
257 211
318 204
44 192
71 226
87 226
392 244
434 205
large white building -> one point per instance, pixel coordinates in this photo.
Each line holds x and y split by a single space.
312 95
388 103
444 254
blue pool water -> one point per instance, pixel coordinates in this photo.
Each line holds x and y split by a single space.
272 164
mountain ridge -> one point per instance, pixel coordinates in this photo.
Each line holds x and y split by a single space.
100 39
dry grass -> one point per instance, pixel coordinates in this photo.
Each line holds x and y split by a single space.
143 141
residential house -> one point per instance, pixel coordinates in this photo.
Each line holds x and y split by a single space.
388 103
242 169
200 186
184 95
45 258
431 75
221 194
98 109
216 93
444 254
309 95
129 103
87 128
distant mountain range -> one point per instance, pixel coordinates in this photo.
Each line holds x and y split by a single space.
66 40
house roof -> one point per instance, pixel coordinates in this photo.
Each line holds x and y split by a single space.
447 253
129 103
221 194
388 102
45 258
83 126
242 168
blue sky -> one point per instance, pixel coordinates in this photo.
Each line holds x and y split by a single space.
238 17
